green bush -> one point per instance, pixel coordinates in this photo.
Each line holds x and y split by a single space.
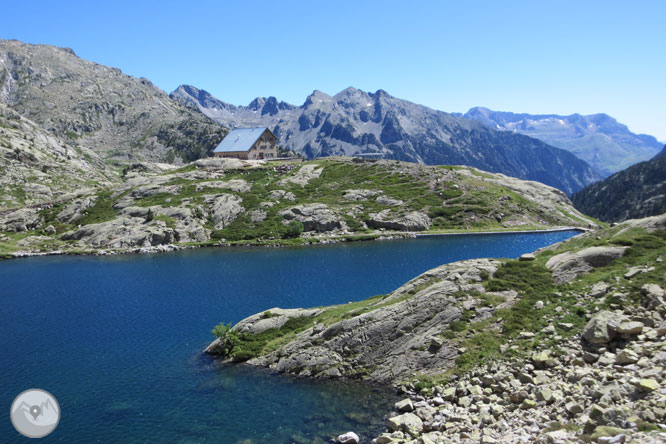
294 229
227 337
445 212
451 194
244 346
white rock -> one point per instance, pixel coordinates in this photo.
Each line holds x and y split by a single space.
348 438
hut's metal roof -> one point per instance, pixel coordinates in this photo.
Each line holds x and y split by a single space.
239 139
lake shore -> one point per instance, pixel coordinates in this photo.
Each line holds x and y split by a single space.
563 346
280 243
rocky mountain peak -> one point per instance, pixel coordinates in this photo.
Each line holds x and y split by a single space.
257 104
317 97
350 91
381 94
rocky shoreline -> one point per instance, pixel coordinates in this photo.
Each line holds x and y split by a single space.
566 345
607 383
313 240
165 248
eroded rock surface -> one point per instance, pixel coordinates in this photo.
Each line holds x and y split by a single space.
123 232
413 221
399 337
225 208
23 219
566 266
303 175
314 217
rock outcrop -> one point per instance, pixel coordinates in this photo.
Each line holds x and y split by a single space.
567 266
23 219
123 232
412 221
399 336
225 208
314 217
303 175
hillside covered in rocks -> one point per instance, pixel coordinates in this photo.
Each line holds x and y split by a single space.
159 207
566 345
88 106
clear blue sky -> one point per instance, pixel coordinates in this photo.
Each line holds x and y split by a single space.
522 56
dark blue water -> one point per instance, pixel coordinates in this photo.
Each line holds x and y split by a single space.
118 340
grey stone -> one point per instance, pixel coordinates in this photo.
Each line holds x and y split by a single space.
389 201
360 194
314 217
601 328
625 357
599 290
23 219
633 271
225 209
348 438
405 405
630 328
258 216
407 422
413 221
303 175
566 266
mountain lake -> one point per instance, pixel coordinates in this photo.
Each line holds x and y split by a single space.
118 340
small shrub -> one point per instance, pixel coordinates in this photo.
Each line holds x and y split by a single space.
294 229
451 193
444 212
457 326
227 337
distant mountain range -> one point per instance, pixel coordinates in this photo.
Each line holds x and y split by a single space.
598 139
354 121
639 191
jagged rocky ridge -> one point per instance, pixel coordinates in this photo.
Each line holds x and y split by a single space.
220 201
90 106
568 345
354 121
639 191
600 140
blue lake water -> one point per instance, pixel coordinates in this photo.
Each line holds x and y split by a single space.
118 339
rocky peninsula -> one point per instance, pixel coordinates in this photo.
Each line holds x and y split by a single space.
566 345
